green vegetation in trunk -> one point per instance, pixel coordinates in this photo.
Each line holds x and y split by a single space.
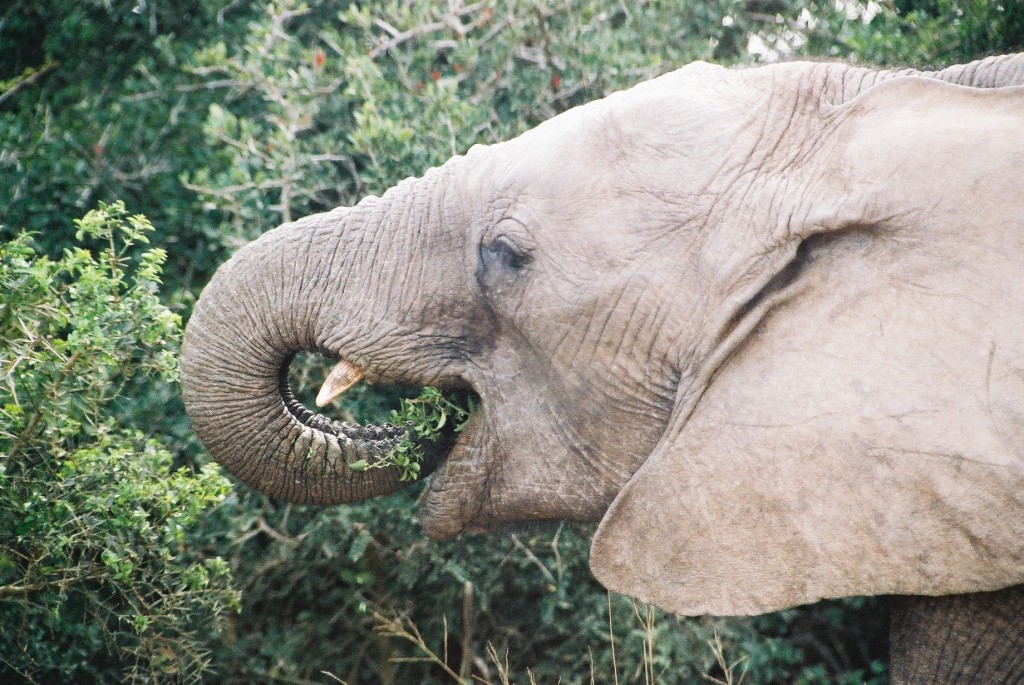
424 417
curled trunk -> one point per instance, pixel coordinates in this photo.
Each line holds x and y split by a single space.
275 297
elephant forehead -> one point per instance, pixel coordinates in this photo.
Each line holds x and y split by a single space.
662 133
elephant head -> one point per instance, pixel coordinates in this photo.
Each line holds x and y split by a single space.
766 325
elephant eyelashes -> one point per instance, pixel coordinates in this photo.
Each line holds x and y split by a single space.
502 254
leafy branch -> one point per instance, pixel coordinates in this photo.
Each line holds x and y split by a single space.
424 417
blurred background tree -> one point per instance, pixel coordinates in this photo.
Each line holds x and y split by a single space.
219 120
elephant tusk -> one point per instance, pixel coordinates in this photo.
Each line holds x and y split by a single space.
342 377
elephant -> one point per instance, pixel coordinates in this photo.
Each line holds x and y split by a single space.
765 325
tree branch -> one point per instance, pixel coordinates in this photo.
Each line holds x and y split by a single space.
11 590
28 80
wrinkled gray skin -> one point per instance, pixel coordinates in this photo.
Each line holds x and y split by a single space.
767 323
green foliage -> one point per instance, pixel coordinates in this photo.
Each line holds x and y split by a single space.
219 121
104 111
94 580
922 33
423 417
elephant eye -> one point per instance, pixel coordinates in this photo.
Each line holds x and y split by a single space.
501 253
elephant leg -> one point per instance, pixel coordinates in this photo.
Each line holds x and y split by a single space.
973 638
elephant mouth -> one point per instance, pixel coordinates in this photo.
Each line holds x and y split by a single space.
450 505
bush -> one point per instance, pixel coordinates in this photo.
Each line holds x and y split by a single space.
95 582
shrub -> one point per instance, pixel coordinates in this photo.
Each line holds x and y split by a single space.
95 581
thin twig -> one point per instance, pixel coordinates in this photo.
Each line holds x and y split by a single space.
467 630
502 667
404 36
284 539
533 557
381 24
228 192
28 81
554 549
10 590
718 650
611 639
404 628
209 85
451 20
225 9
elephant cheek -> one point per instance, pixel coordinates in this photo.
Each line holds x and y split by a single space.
458 500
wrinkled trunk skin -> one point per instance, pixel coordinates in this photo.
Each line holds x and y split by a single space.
959 639
844 83
991 72
275 297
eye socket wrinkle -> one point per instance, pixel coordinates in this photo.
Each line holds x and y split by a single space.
502 253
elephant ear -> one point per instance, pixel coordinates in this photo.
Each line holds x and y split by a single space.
864 431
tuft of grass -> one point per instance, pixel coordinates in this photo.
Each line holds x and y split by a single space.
492 668
729 676
424 418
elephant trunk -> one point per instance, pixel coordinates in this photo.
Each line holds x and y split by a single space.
991 72
275 297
